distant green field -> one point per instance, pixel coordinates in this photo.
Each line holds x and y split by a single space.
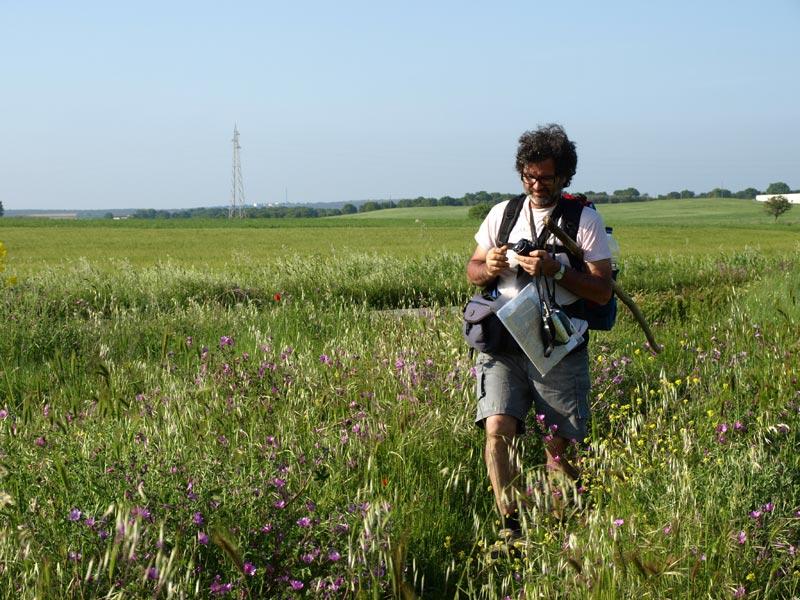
648 229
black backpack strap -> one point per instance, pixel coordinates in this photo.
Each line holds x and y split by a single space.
570 220
510 216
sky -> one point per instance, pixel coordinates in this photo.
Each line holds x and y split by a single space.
109 105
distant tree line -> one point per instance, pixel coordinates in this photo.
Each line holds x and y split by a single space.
482 199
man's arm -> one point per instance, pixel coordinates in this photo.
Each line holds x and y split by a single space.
485 265
594 284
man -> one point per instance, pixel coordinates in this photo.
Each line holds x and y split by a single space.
508 384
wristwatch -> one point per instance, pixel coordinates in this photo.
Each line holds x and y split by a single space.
560 273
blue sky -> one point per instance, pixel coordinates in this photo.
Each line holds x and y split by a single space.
112 105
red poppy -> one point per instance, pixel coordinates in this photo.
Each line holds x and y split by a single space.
277 297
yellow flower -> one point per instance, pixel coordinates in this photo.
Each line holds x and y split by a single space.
710 413
751 576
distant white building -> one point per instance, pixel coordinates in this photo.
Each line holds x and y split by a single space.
793 198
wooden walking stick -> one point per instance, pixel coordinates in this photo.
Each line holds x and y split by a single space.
570 245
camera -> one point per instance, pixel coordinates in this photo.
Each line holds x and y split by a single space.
523 247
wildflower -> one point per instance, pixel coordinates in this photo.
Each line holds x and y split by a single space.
3 414
75 515
249 569
296 584
751 576
768 507
739 592
202 538
738 426
667 529
41 442
741 538
334 556
304 522
74 556
152 573
618 522
722 428
755 514
225 341
197 518
278 482
325 359
399 364
276 296
280 504
219 588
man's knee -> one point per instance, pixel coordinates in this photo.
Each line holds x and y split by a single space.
501 427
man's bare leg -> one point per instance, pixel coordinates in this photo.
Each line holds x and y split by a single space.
503 473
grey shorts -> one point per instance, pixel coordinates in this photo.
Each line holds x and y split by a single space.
509 384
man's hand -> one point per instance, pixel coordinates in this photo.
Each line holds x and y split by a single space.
486 265
496 261
539 262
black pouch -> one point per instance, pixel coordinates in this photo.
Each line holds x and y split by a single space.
482 329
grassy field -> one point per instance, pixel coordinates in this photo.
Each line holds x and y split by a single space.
675 227
195 410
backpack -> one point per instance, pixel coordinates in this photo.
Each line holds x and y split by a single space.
598 316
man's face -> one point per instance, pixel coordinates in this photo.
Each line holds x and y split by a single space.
541 183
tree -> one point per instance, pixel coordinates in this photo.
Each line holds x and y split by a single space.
687 194
749 193
349 209
777 205
719 193
778 188
1 208
479 211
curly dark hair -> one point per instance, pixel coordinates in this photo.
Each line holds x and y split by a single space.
548 141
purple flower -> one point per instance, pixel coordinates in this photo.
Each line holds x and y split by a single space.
768 507
3 414
278 482
618 522
741 538
152 573
304 522
722 428
279 504
219 588
307 558
197 518
296 584
399 364
325 359
249 569
756 514
739 592
40 441
74 556
334 556
738 426
225 341
202 537
75 515
667 529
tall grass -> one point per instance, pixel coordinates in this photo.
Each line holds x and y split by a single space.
278 430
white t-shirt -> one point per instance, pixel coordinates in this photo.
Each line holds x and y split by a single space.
591 238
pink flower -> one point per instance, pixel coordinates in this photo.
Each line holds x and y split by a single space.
296 584
249 569
304 522
741 538
618 522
